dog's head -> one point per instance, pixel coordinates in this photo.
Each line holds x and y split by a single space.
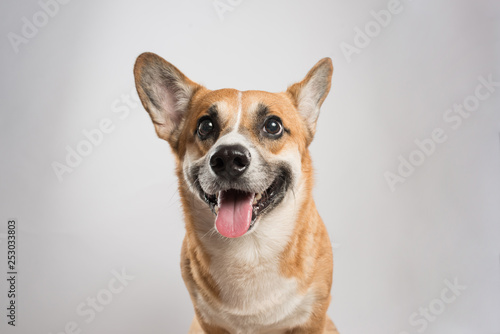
239 152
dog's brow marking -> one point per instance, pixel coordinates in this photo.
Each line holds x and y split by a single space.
238 116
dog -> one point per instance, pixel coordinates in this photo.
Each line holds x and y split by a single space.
256 257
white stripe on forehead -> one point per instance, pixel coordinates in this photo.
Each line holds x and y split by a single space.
234 137
238 115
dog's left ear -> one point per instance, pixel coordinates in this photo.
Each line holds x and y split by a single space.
309 94
165 93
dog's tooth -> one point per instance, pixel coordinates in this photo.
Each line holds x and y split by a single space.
254 200
258 197
216 209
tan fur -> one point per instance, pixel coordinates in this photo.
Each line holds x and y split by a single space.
196 328
304 262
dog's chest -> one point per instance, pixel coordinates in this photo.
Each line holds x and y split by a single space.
254 296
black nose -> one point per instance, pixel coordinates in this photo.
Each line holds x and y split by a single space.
230 161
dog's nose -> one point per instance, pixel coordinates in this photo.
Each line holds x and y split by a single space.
230 161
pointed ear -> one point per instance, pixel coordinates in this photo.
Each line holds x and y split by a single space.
165 93
309 94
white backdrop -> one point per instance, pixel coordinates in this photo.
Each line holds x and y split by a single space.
415 93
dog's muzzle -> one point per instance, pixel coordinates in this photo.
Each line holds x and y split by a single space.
239 194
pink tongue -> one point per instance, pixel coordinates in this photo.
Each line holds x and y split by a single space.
235 213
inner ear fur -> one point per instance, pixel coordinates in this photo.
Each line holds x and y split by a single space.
310 93
165 93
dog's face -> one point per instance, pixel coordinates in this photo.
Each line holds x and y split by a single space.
240 152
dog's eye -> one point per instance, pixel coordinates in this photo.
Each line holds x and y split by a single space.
273 126
205 127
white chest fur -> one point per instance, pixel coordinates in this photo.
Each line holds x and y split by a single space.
267 303
257 300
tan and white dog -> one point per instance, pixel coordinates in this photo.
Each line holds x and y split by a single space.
256 257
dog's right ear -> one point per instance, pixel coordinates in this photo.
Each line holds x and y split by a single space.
165 93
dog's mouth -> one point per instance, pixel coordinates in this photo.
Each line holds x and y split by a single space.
237 211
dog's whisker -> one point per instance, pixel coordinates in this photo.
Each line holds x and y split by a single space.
208 232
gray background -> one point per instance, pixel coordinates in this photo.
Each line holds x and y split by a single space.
119 209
